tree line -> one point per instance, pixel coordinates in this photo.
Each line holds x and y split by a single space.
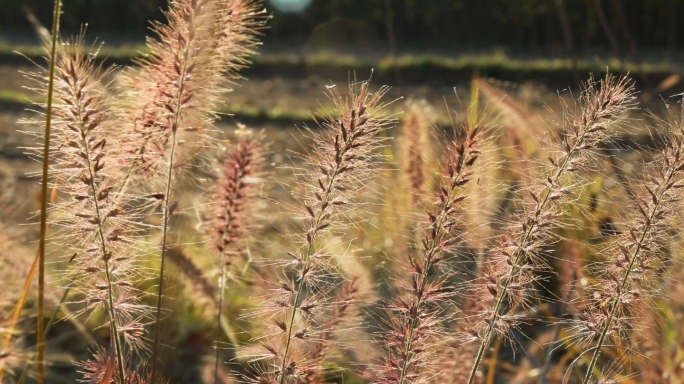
426 23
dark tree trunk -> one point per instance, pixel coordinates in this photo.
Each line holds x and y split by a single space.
567 37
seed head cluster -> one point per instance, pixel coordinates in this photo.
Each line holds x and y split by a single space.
446 307
415 328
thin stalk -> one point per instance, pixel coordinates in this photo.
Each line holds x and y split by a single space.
434 245
44 195
103 245
408 345
20 305
165 220
491 372
307 259
165 224
520 253
614 305
117 341
17 311
240 174
222 287
325 200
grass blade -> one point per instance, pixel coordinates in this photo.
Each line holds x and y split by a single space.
17 311
24 374
493 361
111 368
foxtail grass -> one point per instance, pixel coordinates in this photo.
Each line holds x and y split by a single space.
178 87
416 152
94 231
414 330
333 174
628 280
233 212
113 159
510 273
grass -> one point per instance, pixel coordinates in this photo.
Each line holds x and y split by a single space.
9 97
468 249
412 68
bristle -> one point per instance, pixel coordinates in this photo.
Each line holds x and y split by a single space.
509 275
100 369
97 223
628 280
415 327
338 314
178 87
334 174
233 210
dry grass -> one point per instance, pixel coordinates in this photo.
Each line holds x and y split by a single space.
372 259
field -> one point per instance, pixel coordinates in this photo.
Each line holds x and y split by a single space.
486 225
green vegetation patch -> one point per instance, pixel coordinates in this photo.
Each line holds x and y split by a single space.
406 68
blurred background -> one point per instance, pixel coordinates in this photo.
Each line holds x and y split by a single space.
592 31
496 35
443 26
529 50
422 48
409 43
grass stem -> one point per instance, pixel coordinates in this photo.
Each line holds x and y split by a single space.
165 226
166 213
623 284
44 197
222 290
